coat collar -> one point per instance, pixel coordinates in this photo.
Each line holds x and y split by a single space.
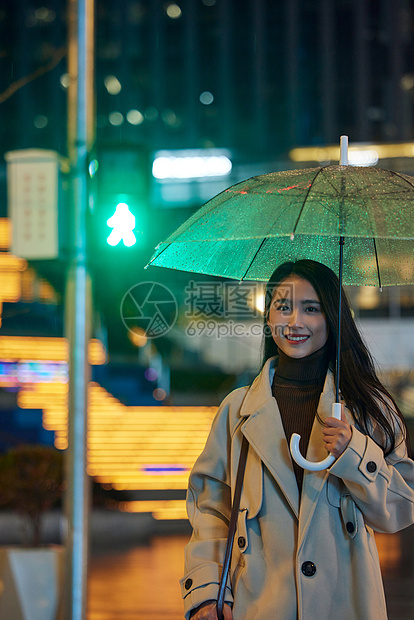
264 430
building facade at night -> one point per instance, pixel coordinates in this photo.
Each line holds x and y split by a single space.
258 77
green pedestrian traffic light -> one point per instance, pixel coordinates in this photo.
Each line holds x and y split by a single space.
122 223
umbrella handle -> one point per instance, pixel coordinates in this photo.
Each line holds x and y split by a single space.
310 465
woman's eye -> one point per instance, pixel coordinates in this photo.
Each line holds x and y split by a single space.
312 309
281 307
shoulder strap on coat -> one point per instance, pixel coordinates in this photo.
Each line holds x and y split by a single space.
232 528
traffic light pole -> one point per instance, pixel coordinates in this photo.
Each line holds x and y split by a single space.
78 304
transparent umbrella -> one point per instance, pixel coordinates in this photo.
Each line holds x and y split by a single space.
358 221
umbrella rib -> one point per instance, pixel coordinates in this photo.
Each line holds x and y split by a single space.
252 261
157 255
376 260
305 199
401 177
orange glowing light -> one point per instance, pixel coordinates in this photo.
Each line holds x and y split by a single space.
5 233
34 348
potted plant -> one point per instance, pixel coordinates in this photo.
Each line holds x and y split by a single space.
31 483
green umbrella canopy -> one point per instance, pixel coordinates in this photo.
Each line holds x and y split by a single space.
250 228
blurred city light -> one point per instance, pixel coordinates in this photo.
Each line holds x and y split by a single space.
151 374
129 448
112 85
363 158
206 98
116 118
355 153
170 118
29 348
64 80
190 164
407 81
134 117
137 336
161 509
173 10
43 14
40 121
260 301
159 394
151 113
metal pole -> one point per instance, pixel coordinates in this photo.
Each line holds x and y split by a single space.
78 304
343 161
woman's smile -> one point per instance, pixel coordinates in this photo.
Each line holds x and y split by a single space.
295 339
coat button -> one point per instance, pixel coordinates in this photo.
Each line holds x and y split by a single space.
350 527
308 569
188 584
241 541
371 467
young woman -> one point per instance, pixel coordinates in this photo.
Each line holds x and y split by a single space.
304 546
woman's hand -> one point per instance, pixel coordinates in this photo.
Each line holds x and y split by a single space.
337 434
208 611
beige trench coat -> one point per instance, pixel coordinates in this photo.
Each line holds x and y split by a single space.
312 558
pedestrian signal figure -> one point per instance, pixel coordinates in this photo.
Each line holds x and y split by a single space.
304 544
123 223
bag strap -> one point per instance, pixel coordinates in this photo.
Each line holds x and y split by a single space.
232 528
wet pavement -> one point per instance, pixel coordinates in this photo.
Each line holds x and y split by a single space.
141 583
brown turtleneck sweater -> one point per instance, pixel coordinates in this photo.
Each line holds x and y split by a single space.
297 386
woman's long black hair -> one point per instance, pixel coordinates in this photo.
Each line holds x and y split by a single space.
360 387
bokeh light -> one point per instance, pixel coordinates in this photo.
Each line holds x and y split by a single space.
173 10
151 374
159 394
151 114
116 118
40 121
64 80
112 85
134 117
137 336
206 98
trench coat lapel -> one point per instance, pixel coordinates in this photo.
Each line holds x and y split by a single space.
264 431
313 482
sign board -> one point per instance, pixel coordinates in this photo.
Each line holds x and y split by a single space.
33 188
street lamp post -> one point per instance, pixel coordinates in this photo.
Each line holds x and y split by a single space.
78 302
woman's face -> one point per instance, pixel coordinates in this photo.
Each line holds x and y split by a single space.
296 318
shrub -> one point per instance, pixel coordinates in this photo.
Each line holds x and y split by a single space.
31 482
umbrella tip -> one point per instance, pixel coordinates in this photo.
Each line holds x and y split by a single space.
292 236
